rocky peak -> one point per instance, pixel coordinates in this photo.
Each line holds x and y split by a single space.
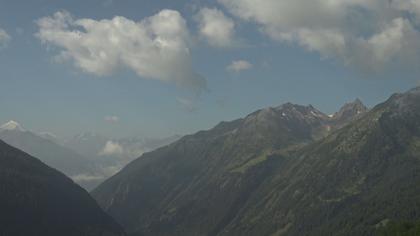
300 112
350 111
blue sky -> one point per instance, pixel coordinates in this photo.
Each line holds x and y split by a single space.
278 60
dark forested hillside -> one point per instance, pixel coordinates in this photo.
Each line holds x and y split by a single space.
38 200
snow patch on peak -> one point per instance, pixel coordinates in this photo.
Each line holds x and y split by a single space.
12 125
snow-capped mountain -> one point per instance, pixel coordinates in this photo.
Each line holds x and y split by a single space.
12 125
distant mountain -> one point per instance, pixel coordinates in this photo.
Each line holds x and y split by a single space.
12 126
201 183
38 200
51 137
88 144
63 159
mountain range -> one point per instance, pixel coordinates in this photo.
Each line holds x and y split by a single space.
202 181
288 170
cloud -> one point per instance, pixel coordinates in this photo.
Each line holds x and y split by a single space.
4 38
86 178
157 47
111 148
112 119
411 6
187 104
371 35
215 27
239 66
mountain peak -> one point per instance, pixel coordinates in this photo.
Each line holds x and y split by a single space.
290 109
353 108
358 101
350 111
12 125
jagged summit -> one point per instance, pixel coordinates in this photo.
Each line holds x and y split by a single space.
350 111
355 107
12 125
287 117
308 110
288 110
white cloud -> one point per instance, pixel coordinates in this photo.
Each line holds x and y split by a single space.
112 148
366 34
4 38
112 119
155 48
239 65
215 27
86 178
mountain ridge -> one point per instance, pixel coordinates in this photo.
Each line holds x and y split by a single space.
225 159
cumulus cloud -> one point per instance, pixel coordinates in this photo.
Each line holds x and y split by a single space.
112 148
112 119
4 38
215 27
239 65
155 48
366 34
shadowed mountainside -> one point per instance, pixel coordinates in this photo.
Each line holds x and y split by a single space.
38 200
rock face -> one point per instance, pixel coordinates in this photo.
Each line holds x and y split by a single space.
199 184
349 112
38 200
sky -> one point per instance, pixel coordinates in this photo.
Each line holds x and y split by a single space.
155 68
